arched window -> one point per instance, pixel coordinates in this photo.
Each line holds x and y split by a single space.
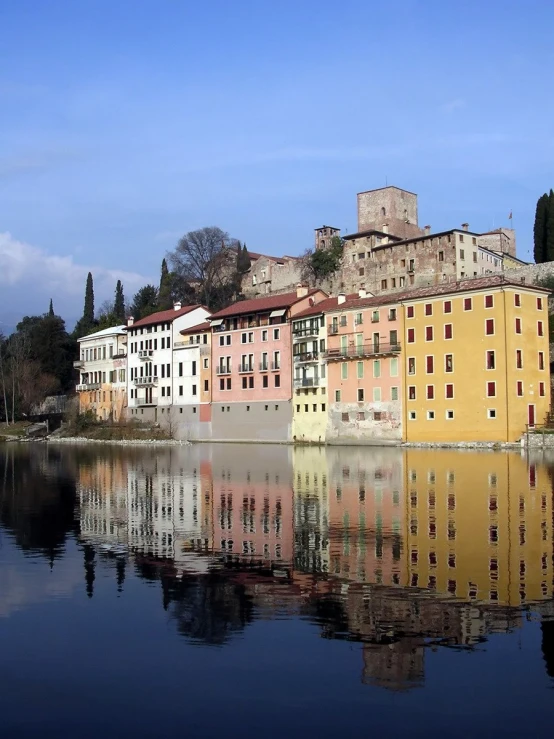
383 211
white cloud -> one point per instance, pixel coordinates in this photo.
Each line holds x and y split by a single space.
34 273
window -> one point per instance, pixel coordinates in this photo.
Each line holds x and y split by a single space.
491 389
489 301
393 367
244 383
489 327
449 391
411 335
277 380
449 415
474 253
180 369
337 396
491 413
462 254
360 370
429 364
441 256
264 335
428 309
394 393
251 383
222 341
323 407
541 389
430 392
468 303
447 306
243 338
428 333
206 363
449 363
541 360
344 371
392 314
376 394
518 325
222 384
229 383
517 300
539 303
375 316
265 381
359 319
519 389
360 395
377 368
412 415
383 284
411 392
276 334
540 329
410 311
193 368
448 331
345 417
194 389
519 359
430 415
206 385
180 389
411 365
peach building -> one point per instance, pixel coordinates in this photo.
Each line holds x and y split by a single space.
364 369
251 366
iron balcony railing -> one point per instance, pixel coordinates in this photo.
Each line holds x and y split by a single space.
305 331
79 363
84 386
146 353
306 357
366 350
333 328
276 365
223 370
144 381
246 368
307 381
264 366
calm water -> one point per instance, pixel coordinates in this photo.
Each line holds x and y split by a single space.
266 592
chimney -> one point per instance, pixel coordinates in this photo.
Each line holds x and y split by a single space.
385 228
341 298
130 321
362 293
426 230
301 291
177 305
465 226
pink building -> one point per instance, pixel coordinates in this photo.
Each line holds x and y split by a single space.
252 366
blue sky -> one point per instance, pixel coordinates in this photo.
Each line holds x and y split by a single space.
125 124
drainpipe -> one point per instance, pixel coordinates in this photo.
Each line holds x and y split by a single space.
403 376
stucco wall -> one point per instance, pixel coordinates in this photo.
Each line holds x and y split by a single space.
269 421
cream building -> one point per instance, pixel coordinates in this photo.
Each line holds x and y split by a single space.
102 363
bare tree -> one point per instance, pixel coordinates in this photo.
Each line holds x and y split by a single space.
205 259
3 380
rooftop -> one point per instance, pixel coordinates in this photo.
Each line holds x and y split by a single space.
165 316
323 306
114 331
198 329
261 305
388 187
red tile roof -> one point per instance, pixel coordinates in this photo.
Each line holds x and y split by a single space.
261 305
165 316
198 329
324 306
445 288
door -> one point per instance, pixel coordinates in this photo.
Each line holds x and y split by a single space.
376 342
359 344
344 345
531 415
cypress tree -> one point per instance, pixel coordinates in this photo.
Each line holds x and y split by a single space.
540 229
88 311
119 303
51 308
549 240
246 261
164 293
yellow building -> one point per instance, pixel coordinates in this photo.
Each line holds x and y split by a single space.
476 361
102 364
480 530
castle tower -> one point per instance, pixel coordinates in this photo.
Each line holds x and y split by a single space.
389 209
324 235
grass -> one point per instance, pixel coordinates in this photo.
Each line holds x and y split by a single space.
16 429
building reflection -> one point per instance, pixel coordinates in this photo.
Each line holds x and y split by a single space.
397 549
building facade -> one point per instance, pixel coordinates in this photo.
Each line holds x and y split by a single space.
192 392
102 367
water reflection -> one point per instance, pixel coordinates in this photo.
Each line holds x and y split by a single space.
399 550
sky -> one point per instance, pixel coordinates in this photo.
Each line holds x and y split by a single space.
125 124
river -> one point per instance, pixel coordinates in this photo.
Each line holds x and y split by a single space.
230 590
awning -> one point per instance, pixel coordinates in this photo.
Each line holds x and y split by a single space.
277 313
217 322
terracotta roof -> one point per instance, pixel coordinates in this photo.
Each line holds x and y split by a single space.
260 305
165 316
198 329
446 288
324 306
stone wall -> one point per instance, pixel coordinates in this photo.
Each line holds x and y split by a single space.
272 276
389 208
531 273
502 240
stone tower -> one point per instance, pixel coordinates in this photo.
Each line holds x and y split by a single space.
389 209
324 235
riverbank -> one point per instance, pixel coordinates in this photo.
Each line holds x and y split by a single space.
114 442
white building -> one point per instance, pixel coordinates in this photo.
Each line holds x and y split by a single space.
150 360
102 362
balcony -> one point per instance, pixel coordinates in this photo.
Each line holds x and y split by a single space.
246 368
307 382
333 329
275 366
86 386
79 364
264 366
366 350
305 332
306 357
119 355
145 381
223 370
145 353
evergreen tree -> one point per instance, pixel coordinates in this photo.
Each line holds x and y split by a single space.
243 259
145 302
549 240
540 228
51 308
165 301
119 304
86 323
